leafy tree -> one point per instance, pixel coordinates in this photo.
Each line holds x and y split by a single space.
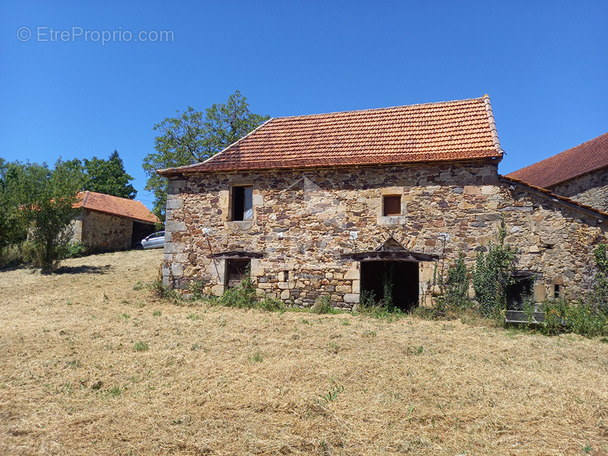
13 228
193 137
46 199
108 176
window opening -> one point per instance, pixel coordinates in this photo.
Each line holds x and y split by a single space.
556 291
391 205
242 203
236 271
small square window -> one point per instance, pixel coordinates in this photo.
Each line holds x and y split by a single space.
557 292
242 203
391 205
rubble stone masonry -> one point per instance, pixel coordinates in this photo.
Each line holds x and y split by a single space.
105 231
590 189
305 220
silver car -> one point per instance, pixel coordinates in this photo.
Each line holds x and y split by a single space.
153 241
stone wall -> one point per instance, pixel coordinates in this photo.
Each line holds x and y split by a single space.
105 231
590 189
303 221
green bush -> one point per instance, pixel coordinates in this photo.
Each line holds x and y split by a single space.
12 255
377 309
577 317
455 291
492 276
242 296
271 305
75 250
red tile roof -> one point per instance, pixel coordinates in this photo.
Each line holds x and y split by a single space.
584 158
115 205
446 131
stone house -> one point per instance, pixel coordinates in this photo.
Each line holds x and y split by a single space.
580 173
107 222
343 204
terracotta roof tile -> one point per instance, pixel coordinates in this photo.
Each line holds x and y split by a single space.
584 158
446 131
115 205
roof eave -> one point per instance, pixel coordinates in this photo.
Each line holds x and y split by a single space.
563 199
181 172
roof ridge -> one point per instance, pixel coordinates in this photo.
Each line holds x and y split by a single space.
493 130
579 145
86 197
380 109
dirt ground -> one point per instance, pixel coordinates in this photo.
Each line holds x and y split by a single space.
93 364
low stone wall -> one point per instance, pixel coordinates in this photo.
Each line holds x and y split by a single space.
305 221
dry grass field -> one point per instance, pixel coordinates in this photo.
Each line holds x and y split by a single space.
94 364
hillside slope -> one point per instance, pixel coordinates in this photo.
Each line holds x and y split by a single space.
93 363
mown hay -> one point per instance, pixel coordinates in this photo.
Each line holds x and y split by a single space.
222 381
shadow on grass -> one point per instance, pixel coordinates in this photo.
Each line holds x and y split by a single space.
84 269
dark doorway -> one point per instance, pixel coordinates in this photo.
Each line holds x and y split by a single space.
395 283
520 290
140 231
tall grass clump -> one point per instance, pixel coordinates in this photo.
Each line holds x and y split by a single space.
322 305
371 307
241 296
244 296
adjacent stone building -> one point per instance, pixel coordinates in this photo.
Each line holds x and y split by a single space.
580 173
346 204
107 222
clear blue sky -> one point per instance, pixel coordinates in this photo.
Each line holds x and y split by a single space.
543 63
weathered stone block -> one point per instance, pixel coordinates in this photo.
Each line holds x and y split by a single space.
351 297
174 202
352 274
472 190
540 292
217 290
317 215
344 288
175 225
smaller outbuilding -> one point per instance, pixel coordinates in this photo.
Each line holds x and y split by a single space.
579 173
109 222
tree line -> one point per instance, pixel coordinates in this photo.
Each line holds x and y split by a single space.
37 201
38 204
